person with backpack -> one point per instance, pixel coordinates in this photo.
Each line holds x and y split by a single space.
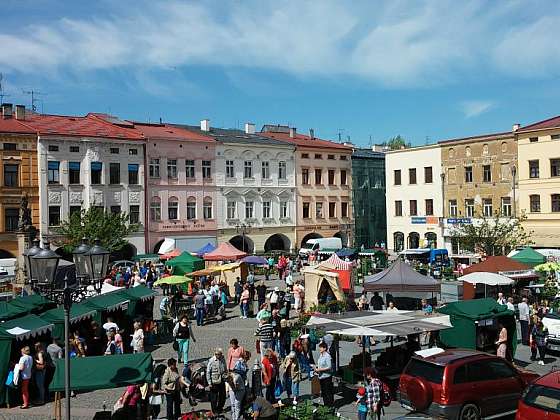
375 392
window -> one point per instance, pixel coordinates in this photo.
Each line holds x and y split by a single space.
134 214
74 149
155 209
535 203
172 168
114 173
412 176
398 241
191 208
249 207
154 168
266 209
173 208
343 157
189 168
282 172
486 173
451 176
344 210
207 208
397 176
54 215
534 169
555 203
53 172
132 152
231 210
206 169
331 176
318 174
506 206
318 156
469 207
487 207
343 180
554 167
265 170
533 139
11 219
555 137
468 173
75 210
11 175
398 208
429 207
114 150
53 148
133 174
74 172
284 210
330 157
430 372
9 146
306 210
413 207
305 176
428 176
453 208
305 155
230 173
115 209
248 169
318 210
96 171
505 171
332 210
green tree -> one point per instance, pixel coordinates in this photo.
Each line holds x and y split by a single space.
397 142
110 228
492 235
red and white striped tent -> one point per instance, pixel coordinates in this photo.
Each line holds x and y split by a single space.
335 262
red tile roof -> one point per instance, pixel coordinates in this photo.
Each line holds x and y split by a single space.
301 140
170 132
541 125
496 264
11 125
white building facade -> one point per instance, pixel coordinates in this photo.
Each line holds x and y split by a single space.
414 198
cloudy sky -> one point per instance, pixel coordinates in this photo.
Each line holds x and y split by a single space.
369 70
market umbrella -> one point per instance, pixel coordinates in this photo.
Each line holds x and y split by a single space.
173 280
489 279
255 259
205 249
548 267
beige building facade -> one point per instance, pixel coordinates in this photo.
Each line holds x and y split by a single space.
539 181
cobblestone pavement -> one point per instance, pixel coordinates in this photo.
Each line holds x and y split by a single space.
208 337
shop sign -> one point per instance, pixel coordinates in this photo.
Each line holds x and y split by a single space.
459 221
424 220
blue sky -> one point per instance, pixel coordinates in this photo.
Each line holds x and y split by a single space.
426 70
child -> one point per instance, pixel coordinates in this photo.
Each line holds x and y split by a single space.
361 402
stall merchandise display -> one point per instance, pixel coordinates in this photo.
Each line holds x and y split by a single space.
306 410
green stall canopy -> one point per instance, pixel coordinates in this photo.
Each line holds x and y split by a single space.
108 302
185 263
23 305
134 295
78 313
529 256
146 257
25 327
104 372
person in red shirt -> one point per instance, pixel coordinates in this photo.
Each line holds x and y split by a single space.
269 374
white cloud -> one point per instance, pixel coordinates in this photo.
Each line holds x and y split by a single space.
475 108
396 43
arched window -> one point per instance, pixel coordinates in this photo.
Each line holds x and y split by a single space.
155 209
173 208
207 208
191 208
398 241
413 240
431 240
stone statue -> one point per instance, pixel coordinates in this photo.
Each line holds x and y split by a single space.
25 221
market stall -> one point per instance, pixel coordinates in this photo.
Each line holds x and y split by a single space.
78 313
224 252
171 254
23 305
205 249
529 257
476 283
140 302
321 286
344 270
185 263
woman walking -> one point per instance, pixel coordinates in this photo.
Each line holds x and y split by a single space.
40 368
171 383
25 365
183 334
138 338
291 375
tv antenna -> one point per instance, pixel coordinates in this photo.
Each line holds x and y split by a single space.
2 94
340 131
34 97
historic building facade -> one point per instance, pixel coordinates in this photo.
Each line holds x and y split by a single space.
539 180
478 179
323 184
18 176
88 161
414 198
368 197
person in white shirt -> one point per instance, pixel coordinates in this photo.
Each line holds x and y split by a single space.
273 298
392 307
110 325
501 299
524 314
510 304
25 364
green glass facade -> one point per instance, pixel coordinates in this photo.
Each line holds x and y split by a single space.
368 190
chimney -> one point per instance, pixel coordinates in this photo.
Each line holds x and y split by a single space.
292 132
7 111
20 112
249 128
205 125
311 133
516 127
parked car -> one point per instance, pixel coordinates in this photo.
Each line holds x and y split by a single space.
552 323
541 399
318 244
462 384
123 264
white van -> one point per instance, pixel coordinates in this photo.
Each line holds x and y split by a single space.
311 245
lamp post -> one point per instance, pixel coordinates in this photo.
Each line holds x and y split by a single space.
513 173
243 229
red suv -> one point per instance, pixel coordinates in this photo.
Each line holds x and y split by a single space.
541 399
462 384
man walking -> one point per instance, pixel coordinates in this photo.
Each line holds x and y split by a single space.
524 315
216 375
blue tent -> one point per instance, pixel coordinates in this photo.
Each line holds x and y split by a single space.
346 252
205 249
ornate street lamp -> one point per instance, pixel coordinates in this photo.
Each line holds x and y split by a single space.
30 263
98 260
80 257
46 263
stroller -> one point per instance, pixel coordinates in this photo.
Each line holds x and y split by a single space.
195 376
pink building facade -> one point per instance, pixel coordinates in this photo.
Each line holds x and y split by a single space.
181 192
